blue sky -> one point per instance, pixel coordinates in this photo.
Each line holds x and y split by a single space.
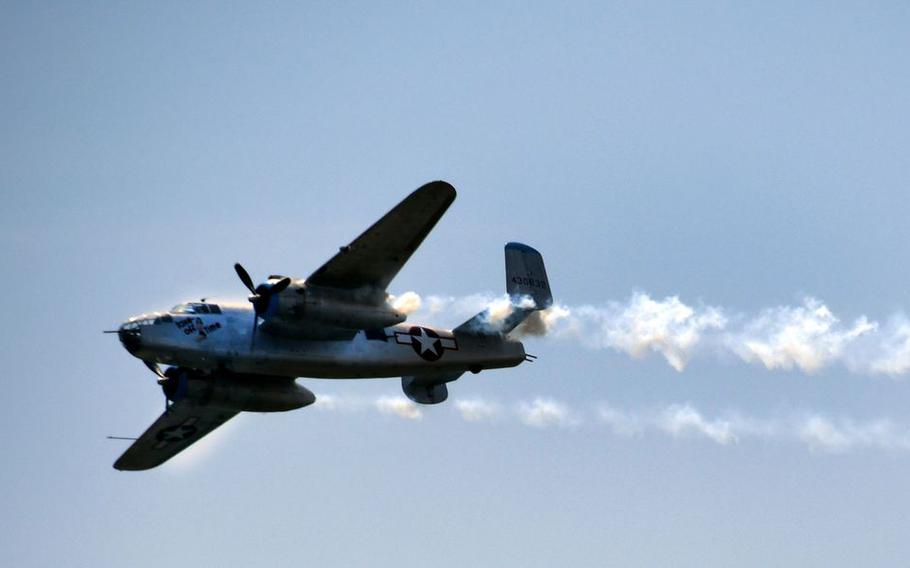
740 158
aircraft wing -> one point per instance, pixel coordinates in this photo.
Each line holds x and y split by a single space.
183 424
375 257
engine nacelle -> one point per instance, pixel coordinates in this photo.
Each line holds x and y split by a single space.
301 305
351 316
250 393
423 392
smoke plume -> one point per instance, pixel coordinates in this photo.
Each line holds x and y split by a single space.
478 410
399 406
545 412
807 337
682 422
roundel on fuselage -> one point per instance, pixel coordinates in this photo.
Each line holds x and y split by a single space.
426 343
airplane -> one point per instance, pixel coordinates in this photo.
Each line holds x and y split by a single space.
214 360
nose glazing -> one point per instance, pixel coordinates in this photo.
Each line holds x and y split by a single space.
130 336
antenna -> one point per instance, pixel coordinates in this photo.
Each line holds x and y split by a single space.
120 438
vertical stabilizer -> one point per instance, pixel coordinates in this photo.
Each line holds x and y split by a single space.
526 275
528 290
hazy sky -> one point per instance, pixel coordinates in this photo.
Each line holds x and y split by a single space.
720 191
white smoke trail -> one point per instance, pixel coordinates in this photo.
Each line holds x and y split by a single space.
681 422
823 434
352 404
398 406
407 303
478 410
806 337
819 433
621 422
546 412
327 402
541 322
893 357
668 327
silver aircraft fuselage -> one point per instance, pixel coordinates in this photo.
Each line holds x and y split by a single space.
224 341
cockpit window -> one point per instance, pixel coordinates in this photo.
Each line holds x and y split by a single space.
196 308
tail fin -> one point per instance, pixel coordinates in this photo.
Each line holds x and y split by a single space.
526 275
528 290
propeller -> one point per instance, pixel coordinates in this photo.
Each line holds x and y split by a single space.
260 296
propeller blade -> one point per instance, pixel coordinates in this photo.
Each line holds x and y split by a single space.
260 297
245 277
280 286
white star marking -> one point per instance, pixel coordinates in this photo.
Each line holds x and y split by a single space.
426 342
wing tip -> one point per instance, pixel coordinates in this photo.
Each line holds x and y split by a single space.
125 465
521 247
443 189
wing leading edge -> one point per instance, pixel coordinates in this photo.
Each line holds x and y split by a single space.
182 425
374 258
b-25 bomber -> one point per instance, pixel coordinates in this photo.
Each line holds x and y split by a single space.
214 360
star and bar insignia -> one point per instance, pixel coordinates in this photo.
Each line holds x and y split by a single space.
426 342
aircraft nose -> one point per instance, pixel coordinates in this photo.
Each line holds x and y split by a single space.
130 336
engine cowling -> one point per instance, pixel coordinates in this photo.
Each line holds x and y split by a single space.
250 393
423 392
351 315
346 309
